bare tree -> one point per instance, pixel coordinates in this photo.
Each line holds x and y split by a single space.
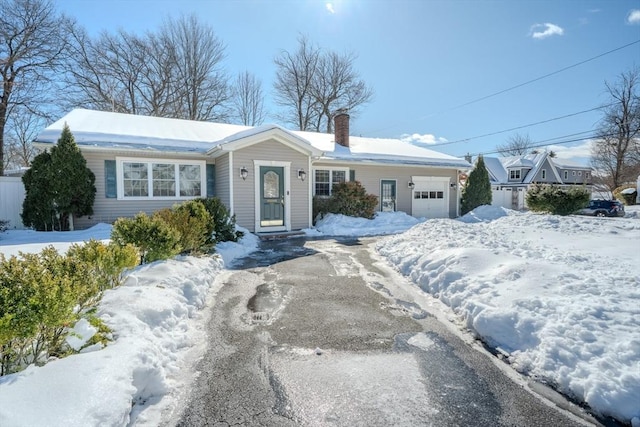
337 85
615 154
516 145
199 55
22 128
248 100
312 84
293 86
33 46
174 72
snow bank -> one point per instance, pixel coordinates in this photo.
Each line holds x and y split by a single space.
382 223
561 295
154 317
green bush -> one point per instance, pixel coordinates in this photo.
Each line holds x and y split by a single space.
58 187
37 301
106 262
152 236
627 199
43 295
477 191
194 224
224 224
350 198
556 200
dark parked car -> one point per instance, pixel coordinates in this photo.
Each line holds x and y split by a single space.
603 208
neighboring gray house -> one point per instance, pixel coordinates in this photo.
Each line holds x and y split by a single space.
511 177
266 175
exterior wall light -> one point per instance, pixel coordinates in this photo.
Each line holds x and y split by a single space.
244 173
411 185
302 175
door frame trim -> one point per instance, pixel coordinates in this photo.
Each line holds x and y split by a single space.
287 195
395 200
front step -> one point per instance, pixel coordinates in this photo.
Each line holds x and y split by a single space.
279 235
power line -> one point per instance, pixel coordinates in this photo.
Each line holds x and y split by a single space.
545 142
521 84
520 127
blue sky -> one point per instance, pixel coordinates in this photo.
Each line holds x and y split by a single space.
427 58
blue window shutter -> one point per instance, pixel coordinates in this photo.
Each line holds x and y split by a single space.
352 175
110 179
211 180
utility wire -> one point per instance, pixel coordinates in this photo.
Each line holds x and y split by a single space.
544 143
519 127
521 84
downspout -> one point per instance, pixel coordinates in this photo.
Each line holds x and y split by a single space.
231 195
310 190
458 193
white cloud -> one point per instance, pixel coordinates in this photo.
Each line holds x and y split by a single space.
634 17
330 8
542 31
426 138
576 152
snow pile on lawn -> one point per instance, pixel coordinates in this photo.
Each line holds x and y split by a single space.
382 223
560 295
156 319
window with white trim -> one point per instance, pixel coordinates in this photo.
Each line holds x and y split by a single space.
160 179
325 179
566 174
514 174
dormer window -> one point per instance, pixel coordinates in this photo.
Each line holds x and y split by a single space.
566 174
514 174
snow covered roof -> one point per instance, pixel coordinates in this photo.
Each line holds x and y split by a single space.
126 131
497 172
567 164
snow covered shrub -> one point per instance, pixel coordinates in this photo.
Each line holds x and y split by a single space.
224 224
152 236
194 224
4 225
556 200
350 198
106 262
627 197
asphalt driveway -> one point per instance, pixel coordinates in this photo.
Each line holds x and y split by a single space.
322 333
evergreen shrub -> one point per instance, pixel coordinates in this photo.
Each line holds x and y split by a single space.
557 200
194 224
350 198
150 235
224 224
477 191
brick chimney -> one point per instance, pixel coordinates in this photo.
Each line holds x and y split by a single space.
341 126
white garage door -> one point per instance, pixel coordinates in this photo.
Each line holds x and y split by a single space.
430 198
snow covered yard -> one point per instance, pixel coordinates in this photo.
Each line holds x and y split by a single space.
559 295
157 319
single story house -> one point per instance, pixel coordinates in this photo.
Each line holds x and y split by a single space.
266 175
511 177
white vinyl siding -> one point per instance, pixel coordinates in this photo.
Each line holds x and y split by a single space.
243 191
